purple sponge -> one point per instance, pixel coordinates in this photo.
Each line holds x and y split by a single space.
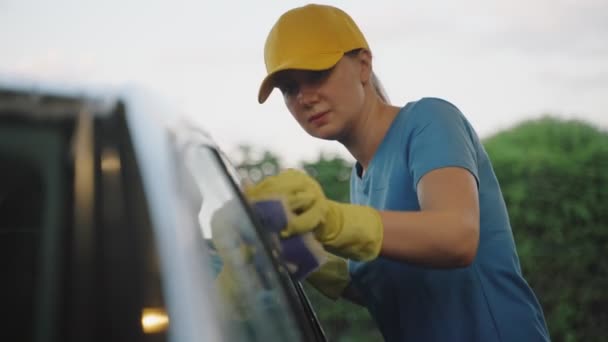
302 254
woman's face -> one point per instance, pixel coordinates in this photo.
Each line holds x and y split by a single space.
325 103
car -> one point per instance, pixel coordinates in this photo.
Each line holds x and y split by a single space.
107 201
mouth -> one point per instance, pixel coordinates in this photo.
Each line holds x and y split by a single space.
318 117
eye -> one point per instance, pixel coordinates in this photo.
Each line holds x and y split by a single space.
316 77
288 88
289 83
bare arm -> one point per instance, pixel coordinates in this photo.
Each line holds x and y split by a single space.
445 232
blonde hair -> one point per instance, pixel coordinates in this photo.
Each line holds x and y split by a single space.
378 87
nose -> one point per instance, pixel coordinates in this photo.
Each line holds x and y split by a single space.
307 94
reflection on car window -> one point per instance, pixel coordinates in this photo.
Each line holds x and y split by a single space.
252 302
231 169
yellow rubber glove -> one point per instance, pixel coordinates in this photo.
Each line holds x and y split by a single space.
307 208
348 230
331 278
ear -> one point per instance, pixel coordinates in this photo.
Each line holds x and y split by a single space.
365 62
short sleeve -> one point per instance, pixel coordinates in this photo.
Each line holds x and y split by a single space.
440 138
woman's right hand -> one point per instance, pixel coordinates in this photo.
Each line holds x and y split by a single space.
351 231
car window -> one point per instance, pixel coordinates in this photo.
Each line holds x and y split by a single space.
248 291
77 251
33 188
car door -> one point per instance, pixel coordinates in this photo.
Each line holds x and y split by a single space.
77 249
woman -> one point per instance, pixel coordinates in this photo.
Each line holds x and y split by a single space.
428 232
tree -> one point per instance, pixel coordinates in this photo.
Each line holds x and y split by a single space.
333 173
554 177
254 168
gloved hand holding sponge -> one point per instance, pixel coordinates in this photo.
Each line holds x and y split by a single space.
300 253
347 230
307 259
293 205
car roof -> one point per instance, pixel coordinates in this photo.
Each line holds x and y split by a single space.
52 99
143 107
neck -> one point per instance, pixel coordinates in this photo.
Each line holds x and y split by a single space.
369 131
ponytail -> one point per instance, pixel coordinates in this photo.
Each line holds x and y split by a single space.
379 88
375 80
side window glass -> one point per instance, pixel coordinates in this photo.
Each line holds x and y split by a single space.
248 291
232 171
33 217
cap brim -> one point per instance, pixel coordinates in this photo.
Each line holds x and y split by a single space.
322 62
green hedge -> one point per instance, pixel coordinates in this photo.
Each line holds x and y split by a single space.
554 177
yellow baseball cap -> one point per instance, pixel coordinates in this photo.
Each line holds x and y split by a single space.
312 37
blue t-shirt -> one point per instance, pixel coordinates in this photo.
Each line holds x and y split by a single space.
486 301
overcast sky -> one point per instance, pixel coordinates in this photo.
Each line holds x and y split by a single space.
499 61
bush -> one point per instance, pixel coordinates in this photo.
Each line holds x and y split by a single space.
554 177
